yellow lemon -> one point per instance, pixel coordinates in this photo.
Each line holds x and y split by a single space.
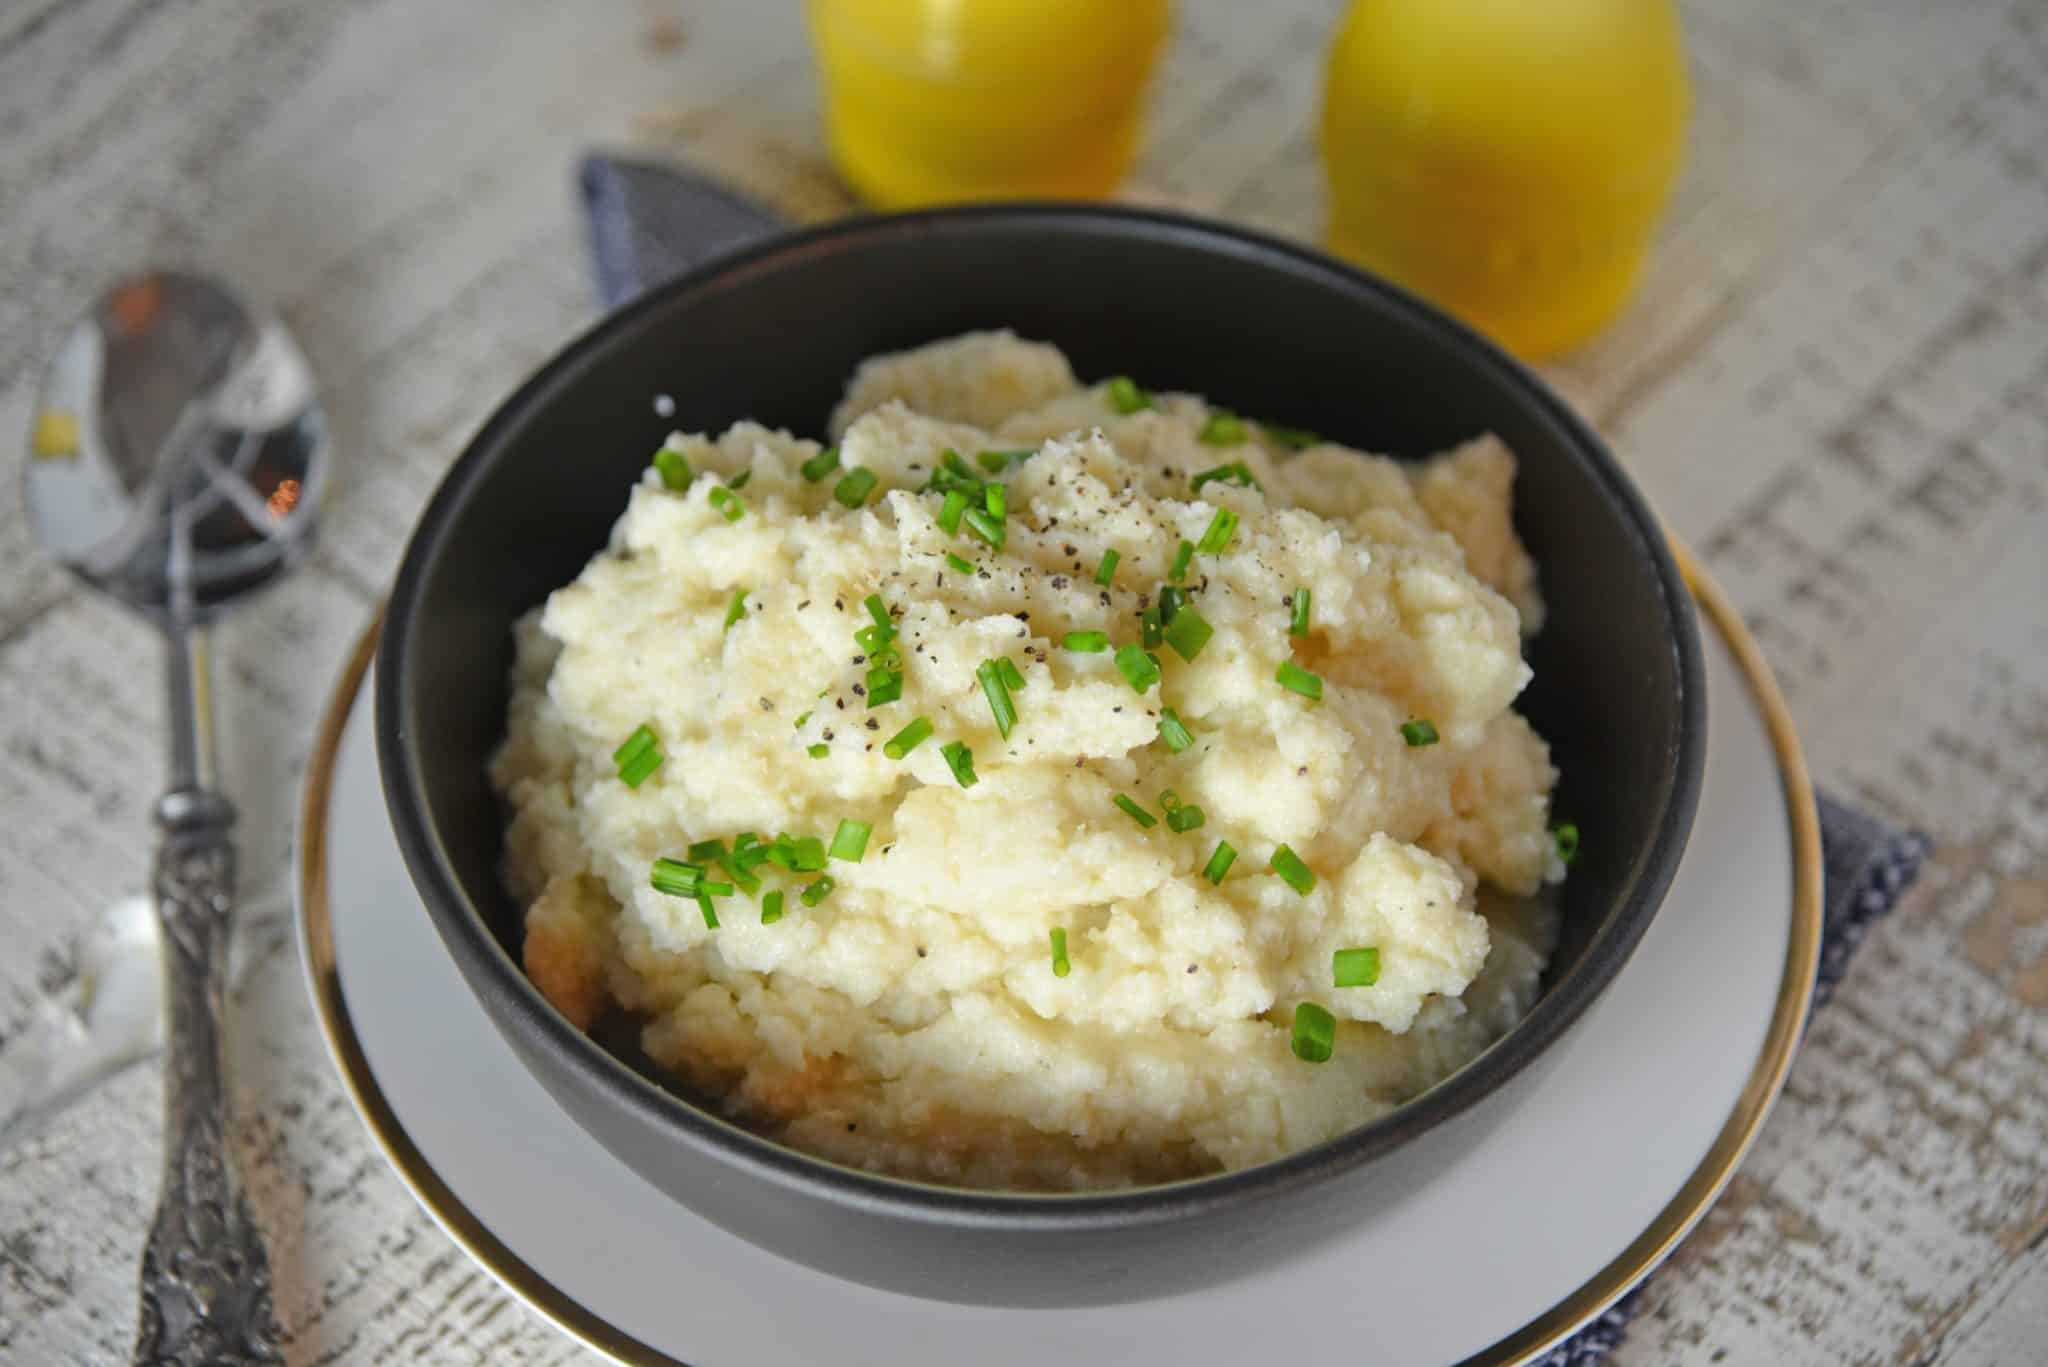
1505 159
934 101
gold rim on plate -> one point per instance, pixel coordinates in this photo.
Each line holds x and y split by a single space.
1603 1288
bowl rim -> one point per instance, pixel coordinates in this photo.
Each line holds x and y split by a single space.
521 1007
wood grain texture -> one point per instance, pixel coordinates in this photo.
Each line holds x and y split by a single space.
1835 385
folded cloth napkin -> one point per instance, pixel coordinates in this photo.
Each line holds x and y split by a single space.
650 223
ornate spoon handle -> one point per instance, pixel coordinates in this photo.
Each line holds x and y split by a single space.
205 1274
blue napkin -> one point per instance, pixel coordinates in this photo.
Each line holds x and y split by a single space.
649 223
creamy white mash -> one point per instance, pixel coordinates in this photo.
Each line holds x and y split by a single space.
911 1020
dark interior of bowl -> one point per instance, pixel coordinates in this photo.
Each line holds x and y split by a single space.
1268 330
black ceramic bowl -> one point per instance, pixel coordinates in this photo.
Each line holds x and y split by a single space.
771 334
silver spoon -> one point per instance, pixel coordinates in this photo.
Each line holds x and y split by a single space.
176 464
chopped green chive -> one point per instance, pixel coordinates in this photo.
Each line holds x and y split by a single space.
636 770
1219 862
739 481
807 855
1292 871
1291 438
874 640
879 610
1315 1032
736 609
1567 837
964 566
1218 535
997 691
1136 812
1187 633
802 719
821 465
819 750
949 460
951 511
1149 627
1298 625
674 470
1125 396
771 907
714 890
850 841
997 500
730 505
995 462
748 852
1421 731
1086 642
1233 472
960 760
1184 818
1174 731
713 850
853 489
1224 428
1183 556
1060 966
908 739
1355 967
675 878
1105 569
1171 600
989 529
1140 670
884 686
816 891
635 745
710 912
1295 679
1012 676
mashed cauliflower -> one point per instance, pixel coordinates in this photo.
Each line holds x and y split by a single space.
912 1020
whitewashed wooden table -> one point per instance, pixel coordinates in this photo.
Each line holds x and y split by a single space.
1835 387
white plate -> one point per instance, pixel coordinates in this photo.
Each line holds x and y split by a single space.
1554 1215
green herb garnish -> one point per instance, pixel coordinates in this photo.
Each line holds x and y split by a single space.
1086 642
1219 862
951 511
1125 396
997 691
817 891
771 907
1567 837
1292 871
1174 731
820 465
960 760
850 841
1420 732
964 566
1224 428
1183 556
1315 1032
1135 811
1187 633
1295 679
908 739
1060 966
1105 569
1355 967
1298 624
854 487
674 470
730 505
736 609
1231 472
1219 532
1140 670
